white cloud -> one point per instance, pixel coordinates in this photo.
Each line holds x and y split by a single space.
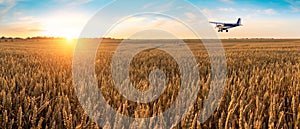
74 3
79 2
267 12
190 15
294 9
293 1
207 12
227 1
128 28
166 7
149 5
294 5
6 5
227 9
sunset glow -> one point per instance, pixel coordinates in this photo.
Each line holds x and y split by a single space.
66 18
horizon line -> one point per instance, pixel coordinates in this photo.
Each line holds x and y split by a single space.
113 38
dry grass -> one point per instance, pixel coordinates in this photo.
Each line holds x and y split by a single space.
262 88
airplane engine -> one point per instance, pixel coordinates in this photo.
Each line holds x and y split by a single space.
219 26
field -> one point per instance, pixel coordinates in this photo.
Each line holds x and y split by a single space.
262 85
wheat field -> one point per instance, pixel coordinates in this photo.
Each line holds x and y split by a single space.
262 88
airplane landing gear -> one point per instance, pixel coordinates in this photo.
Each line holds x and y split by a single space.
221 30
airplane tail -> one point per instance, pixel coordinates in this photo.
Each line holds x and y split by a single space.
239 21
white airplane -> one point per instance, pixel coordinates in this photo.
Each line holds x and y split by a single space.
225 26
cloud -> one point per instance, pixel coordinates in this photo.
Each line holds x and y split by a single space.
21 29
267 12
6 5
295 9
297 2
128 28
69 26
78 2
294 5
227 9
74 3
227 1
207 12
60 23
150 5
190 15
36 30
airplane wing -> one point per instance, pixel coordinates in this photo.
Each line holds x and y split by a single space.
228 27
218 23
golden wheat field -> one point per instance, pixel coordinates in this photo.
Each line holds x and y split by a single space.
262 88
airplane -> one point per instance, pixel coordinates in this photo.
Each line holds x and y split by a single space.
225 26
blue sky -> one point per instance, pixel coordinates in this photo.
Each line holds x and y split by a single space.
66 18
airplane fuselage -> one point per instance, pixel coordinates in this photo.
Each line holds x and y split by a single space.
225 26
231 25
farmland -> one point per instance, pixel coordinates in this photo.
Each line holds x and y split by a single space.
262 88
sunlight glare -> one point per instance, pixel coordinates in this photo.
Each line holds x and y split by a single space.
69 39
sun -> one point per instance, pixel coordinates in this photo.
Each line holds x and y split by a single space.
70 39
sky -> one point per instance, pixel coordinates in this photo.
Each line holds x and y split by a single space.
67 18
